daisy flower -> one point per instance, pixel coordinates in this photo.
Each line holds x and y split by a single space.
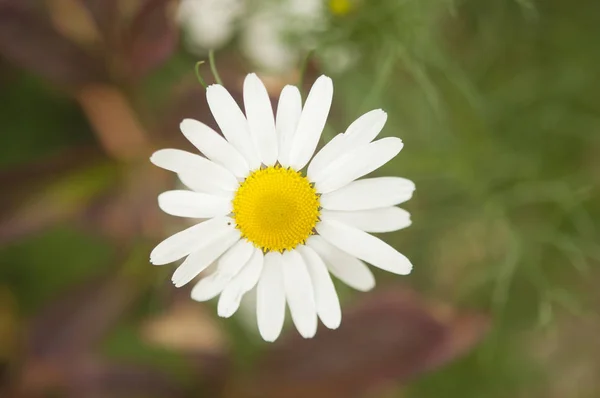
266 224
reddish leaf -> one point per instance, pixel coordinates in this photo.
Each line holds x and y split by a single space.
70 326
152 37
61 355
95 379
32 43
389 338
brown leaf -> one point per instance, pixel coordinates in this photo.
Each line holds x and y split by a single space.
104 13
73 21
114 121
388 338
152 37
187 327
30 41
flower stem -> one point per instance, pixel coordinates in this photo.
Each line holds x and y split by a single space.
198 75
213 67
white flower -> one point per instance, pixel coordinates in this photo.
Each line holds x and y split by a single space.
208 23
279 33
274 35
270 226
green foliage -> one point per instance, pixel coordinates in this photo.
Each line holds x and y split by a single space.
36 121
55 260
497 104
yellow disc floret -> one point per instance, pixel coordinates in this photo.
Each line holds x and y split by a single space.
276 208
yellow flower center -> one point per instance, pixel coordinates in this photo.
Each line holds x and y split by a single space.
340 7
276 208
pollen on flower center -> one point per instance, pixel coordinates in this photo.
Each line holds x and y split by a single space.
276 208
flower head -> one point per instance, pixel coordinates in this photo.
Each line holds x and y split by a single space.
268 224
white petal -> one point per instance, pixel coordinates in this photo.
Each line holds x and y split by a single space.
197 183
364 246
289 110
299 293
185 242
331 152
214 147
370 193
362 131
228 266
311 123
343 266
194 204
270 298
367 127
243 282
260 118
326 299
200 259
358 163
232 122
386 219
183 162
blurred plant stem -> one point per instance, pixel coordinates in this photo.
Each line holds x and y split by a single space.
198 74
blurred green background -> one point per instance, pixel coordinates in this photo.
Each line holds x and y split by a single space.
496 101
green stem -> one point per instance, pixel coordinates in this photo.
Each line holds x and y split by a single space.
213 67
198 75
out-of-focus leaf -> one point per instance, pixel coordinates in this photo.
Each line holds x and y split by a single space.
70 326
189 103
8 326
193 331
130 210
116 124
387 339
152 37
60 347
73 20
100 379
58 200
32 43
63 347
45 169
93 378
186 327
104 13
27 266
